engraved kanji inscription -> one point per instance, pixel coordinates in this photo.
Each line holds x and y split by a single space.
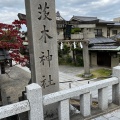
44 58
45 83
45 34
51 81
49 57
43 11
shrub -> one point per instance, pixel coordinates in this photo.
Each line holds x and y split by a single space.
75 30
68 59
79 61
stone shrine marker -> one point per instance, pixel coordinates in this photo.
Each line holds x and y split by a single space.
41 23
42 36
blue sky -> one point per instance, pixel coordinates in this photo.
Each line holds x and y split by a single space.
103 9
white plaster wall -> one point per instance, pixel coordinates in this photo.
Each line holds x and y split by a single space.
77 36
118 30
114 61
104 30
87 26
93 59
60 34
117 19
90 35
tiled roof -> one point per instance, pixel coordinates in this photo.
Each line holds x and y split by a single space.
118 24
83 18
104 47
102 43
107 22
101 40
88 19
21 16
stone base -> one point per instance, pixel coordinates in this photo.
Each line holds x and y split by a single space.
87 75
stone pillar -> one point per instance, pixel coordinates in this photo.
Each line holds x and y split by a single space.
103 98
42 36
86 55
86 59
64 113
116 87
34 95
85 109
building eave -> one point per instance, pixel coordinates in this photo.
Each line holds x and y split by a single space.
116 49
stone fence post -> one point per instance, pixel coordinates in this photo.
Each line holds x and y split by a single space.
34 96
116 87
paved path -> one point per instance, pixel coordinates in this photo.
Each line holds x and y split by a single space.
115 115
68 73
68 78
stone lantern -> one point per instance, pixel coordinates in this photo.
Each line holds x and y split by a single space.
4 59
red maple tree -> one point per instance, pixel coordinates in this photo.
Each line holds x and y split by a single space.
10 39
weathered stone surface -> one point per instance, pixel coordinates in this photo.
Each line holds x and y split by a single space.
114 118
100 118
116 88
34 95
116 94
41 23
64 113
86 55
14 109
85 104
116 72
73 92
103 98
42 36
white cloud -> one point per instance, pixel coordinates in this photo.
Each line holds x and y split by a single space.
106 9
12 3
9 15
9 10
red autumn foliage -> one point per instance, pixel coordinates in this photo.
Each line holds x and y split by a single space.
10 39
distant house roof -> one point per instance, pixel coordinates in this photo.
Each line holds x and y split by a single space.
106 22
101 40
117 24
83 18
91 19
114 24
105 47
59 17
102 43
21 16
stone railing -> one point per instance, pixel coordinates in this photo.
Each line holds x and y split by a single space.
33 104
35 101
